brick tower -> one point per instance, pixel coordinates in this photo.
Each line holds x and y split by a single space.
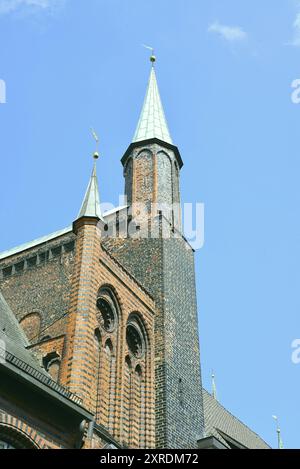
109 344
113 319
98 321
164 264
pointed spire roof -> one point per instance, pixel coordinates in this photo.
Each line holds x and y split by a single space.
91 203
152 122
213 385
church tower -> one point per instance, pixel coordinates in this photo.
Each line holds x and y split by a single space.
164 265
99 329
152 163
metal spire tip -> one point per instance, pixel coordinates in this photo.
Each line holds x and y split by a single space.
152 57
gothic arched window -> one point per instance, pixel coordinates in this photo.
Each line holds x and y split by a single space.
107 314
134 425
134 340
107 342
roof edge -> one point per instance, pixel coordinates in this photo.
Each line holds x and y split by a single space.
36 242
149 141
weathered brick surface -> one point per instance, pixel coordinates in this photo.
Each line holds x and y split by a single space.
33 438
43 288
182 357
62 292
31 325
137 371
88 364
167 270
152 177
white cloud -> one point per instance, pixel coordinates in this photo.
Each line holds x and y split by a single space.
296 28
229 33
9 6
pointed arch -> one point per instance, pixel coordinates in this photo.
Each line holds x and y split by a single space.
108 313
136 319
137 349
143 178
126 414
164 179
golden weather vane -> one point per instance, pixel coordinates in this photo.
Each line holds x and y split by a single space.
96 153
152 57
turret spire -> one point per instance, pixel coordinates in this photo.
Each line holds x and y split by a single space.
278 431
91 203
213 385
152 122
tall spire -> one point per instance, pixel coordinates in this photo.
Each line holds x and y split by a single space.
152 122
278 431
91 203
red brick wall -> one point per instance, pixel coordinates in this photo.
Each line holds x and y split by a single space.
103 389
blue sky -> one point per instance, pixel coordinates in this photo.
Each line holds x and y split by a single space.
225 69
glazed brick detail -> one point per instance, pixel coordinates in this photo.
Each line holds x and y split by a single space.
166 268
184 408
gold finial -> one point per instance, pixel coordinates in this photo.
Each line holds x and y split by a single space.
96 154
152 57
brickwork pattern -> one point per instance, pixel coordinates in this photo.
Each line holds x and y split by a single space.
18 428
152 176
44 285
95 270
167 270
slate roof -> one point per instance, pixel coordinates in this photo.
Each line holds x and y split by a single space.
14 355
13 337
220 423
